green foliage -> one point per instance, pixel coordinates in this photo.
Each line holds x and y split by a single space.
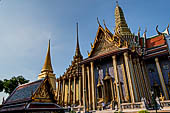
1 86
72 112
143 111
9 85
118 112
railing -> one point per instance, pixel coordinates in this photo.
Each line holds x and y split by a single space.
165 103
136 105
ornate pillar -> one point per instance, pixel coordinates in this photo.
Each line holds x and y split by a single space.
58 95
161 79
146 79
74 97
112 88
137 80
63 91
84 88
129 77
80 90
142 79
69 91
56 92
93 86
89 87
117 80
127 98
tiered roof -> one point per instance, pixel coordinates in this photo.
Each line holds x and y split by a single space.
37 95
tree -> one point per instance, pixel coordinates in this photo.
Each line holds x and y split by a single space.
9 85
1 86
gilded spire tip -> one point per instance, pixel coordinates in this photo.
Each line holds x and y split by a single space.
47 65
78 53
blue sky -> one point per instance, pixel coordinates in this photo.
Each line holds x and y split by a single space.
27 25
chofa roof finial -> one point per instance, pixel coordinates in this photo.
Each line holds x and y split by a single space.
98 21
104 23
159 33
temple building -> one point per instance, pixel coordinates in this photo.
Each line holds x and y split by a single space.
121 69
35 97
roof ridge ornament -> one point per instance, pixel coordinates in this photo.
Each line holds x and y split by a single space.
98 21
159 33
166 30
104 23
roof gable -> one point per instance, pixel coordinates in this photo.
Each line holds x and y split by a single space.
44 93
104 42
40 90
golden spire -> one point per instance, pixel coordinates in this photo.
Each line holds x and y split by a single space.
47 65
77 53
120 22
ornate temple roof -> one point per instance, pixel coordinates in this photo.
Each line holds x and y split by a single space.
37 95
26 90
120 22
74 68
47 65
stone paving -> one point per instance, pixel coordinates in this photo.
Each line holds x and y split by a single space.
132 111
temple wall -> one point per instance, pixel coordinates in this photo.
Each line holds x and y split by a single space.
165 67
153 73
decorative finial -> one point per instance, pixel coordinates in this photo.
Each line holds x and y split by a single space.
159 33
139 32
166 30
104 23
98 21
139 29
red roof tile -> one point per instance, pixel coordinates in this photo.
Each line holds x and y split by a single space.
155 41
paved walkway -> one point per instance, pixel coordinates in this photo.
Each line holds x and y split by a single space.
133 111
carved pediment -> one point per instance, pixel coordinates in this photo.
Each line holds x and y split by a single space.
44 93
104 43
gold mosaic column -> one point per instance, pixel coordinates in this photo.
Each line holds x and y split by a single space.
111 82
74 97
80 90
129 77
147 81
137 80
161 79
127 99
142 79
117 79
63 90
93 86
89 87
83 75
69 90
59 86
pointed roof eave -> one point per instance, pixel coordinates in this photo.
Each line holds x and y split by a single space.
96 38
47 65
